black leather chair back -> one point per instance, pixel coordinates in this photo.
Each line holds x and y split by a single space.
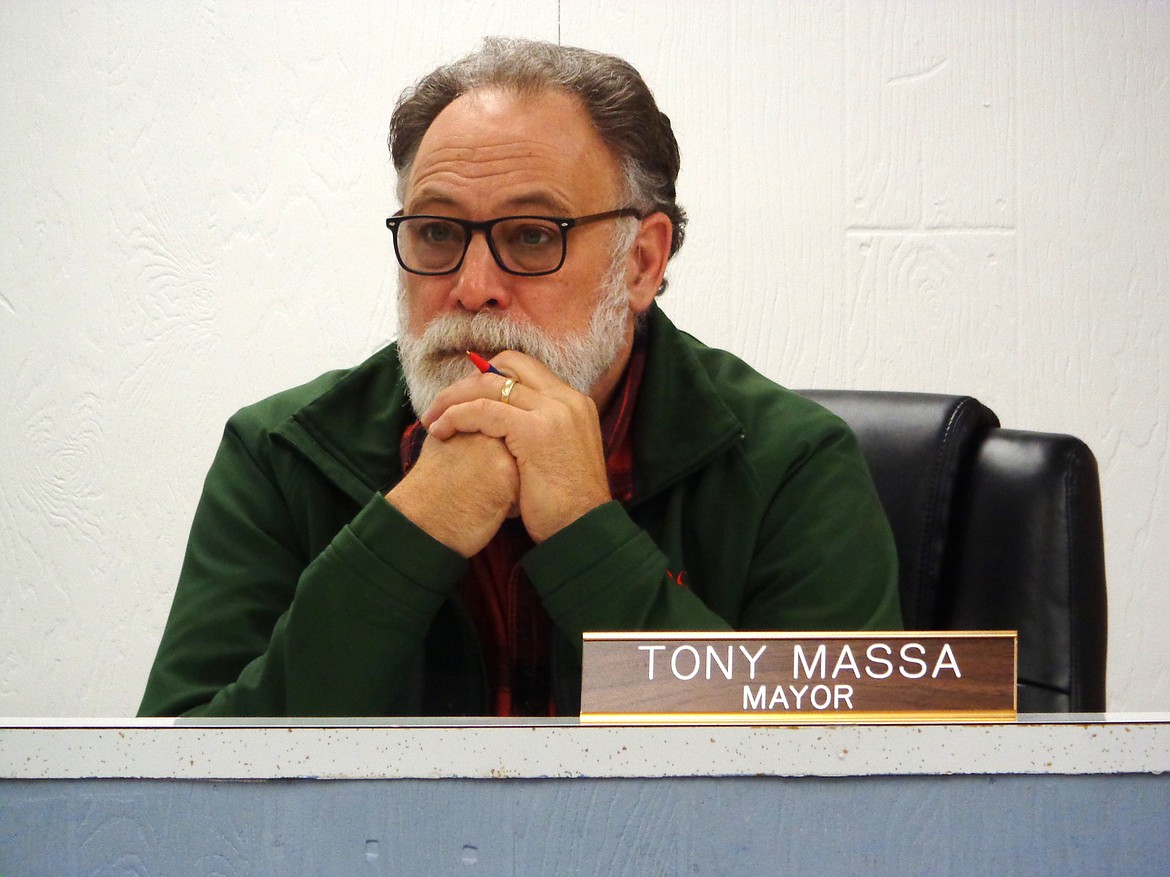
996 529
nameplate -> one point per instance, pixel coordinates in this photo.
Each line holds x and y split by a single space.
789 678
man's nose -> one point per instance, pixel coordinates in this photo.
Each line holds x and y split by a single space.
480 282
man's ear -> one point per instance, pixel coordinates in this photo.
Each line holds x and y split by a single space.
647 260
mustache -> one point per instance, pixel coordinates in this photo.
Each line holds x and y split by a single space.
451 335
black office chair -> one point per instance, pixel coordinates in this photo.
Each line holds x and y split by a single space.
996 529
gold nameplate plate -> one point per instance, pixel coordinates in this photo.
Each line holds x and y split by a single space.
788 678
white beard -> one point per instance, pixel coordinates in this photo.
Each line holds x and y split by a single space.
438 357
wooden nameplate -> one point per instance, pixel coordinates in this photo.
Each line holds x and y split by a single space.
789 678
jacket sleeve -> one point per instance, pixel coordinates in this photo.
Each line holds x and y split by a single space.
603 572
805 548
257 628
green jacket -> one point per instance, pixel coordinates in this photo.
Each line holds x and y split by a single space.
303 592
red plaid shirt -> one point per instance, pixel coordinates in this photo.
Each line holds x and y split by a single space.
514 628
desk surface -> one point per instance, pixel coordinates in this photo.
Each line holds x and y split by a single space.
483 749
1070 795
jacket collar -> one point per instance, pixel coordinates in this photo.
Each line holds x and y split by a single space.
680 421
351 431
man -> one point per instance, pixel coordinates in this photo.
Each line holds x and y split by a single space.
412 536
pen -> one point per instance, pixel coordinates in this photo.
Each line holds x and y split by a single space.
483 365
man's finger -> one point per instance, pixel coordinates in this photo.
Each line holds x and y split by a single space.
531 373
477 415
487 387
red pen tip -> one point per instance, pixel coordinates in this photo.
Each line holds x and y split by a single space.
480 363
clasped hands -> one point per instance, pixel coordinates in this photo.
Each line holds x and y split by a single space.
540 456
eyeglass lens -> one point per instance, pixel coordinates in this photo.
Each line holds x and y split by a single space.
522 244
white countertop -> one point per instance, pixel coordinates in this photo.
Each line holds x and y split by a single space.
32 748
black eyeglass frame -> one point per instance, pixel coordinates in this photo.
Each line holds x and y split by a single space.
564 223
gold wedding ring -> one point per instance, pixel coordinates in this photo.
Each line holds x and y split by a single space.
506 391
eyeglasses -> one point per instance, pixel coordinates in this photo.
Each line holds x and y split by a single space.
524 245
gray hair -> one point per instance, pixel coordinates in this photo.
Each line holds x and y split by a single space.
612 92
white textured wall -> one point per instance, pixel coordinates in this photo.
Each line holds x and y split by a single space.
969 196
